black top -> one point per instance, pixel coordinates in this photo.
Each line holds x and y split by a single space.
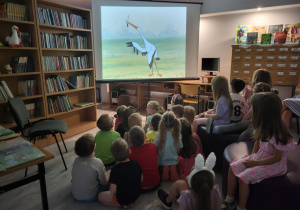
127 176
121 130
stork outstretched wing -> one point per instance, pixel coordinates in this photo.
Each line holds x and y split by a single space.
136 48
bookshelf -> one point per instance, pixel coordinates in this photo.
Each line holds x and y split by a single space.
78 119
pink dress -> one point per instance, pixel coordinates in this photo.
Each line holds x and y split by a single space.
185 165
256 174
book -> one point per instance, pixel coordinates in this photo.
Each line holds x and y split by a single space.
7 90
273 29
280 37
83 104
2 10
70 85
252 38
18 151
241 33
261 30
266 38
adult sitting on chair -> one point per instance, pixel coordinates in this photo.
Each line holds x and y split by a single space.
290 106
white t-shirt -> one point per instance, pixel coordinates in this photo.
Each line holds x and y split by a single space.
238 106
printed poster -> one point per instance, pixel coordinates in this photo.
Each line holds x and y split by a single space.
241 33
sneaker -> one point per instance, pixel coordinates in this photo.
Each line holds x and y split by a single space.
165 173
162 196
229 206
173 173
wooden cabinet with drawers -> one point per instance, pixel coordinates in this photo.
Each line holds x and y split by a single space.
283 61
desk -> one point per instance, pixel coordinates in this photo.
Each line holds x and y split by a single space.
39 176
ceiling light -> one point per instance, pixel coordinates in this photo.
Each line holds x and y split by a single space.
258 9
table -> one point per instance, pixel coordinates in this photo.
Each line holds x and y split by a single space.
39 176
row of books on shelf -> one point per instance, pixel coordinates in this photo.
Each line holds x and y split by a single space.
33 108
59 103
14 11
27 88
63 41
81 81
56 84
56 63
47 16
22 64
5 92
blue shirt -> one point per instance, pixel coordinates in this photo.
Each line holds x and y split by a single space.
168 156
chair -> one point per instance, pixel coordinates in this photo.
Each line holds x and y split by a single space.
40 128
193 90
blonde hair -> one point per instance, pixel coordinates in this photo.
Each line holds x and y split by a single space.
220 88
137 136
155 105
134 119
189 113
168 121
261 75
266 119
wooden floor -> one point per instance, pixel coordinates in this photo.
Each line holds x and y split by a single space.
59 184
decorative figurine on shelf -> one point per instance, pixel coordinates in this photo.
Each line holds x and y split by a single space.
14 40
8 69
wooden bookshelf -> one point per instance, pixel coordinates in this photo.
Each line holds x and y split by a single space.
78 119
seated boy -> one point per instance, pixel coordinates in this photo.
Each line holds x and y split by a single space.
237 85
178 111
150 135
146 155
125 178
133 119
104 139
88 173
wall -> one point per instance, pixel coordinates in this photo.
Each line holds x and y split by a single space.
217 34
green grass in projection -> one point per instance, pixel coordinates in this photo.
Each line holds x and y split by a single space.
120 61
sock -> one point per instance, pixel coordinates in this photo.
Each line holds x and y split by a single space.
238 208
229 199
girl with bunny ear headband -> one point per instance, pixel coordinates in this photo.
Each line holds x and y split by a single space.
198 191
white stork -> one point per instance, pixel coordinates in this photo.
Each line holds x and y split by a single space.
14 40
149 50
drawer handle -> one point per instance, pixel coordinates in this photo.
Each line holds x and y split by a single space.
295 49
282 57
257 65
293 73
236 72
295 57
246 72
259 50
271 49
293 65
280 73
283 49
258 57
247 57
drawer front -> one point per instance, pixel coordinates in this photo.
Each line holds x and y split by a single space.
258 65
294 65
237 58
282 66
237 51
271 50
259 50
247 58
294 57
247 51
259 58
283 50
271 58
270 65
236 72
247 65
279 81
282 58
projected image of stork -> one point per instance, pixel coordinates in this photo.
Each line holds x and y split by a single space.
149 50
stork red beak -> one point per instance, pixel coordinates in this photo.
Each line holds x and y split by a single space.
18 31
132 25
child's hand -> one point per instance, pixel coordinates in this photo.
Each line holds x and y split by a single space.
201 115
249 163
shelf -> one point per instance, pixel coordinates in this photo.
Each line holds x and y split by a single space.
67 50
19 74
18 48
42 25
23 98
69 91
16 21
70 111
61 6
66 71
127 95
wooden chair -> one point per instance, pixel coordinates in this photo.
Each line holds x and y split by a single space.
193 92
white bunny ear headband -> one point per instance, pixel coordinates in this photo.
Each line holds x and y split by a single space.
200 166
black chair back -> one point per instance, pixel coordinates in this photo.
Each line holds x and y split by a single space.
19 112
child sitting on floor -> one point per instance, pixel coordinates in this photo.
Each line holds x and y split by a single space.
152 108
189 114
146 155
178 111
133 119
120 112
150 135
104 138
125 178
168 143
88 173
197 191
